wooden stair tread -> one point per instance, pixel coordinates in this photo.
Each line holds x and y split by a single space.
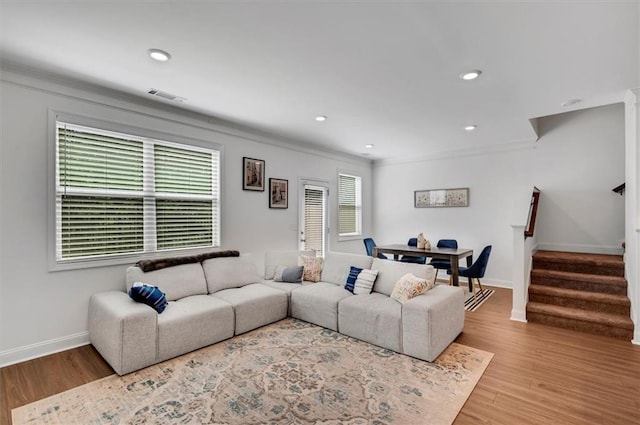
614 320
579 294
562 275
579 257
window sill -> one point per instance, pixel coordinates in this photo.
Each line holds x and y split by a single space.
130 259
346 238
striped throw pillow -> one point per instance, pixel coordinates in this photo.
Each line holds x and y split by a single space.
365 281
354 272
149 295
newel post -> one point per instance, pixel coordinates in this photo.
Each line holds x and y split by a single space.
519 275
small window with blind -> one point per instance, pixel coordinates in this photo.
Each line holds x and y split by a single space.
349 205
120 195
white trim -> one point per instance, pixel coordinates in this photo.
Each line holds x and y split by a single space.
49 82
463 283
519 316
632 97
528 144
358 233
44 348
145 136
593 249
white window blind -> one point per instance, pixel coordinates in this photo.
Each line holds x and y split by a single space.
124 194
314 219
349 205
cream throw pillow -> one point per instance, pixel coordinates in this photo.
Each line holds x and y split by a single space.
410 286
312 268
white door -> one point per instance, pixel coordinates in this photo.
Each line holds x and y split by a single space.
314 227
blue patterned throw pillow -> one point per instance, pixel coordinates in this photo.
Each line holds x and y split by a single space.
354 272
149 295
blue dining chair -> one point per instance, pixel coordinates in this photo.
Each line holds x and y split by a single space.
369 244
476 270
440 264
410 259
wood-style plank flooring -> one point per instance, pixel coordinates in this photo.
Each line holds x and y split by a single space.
539 374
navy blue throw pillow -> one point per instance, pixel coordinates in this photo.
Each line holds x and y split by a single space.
149 295
351 279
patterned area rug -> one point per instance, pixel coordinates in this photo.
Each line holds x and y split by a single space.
472 304
290 372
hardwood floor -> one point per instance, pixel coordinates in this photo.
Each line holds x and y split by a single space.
539 374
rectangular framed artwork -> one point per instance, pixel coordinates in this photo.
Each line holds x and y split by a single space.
278 193
435 198
252 174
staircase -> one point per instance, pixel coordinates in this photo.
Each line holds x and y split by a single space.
583 292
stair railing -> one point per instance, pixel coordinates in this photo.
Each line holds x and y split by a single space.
533 212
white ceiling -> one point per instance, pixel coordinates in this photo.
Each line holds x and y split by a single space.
385 73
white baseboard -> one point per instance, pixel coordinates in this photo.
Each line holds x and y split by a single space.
485 282
28 352
519 316
592 249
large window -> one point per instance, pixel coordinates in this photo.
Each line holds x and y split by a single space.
120 194
349 205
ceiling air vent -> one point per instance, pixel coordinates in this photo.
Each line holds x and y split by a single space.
165 95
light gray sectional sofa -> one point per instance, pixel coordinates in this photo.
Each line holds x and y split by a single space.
218 298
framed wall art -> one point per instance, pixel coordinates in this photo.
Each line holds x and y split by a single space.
252 174
278 193
434 198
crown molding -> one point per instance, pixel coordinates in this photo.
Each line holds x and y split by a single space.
528 144
54 83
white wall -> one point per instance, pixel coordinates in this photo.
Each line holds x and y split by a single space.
43 311
576 162
580 158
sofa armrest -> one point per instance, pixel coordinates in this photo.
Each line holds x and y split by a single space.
123 331
430 322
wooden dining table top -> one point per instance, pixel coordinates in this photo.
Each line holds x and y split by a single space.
434 252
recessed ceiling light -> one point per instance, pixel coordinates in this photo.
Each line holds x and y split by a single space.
321 118
471 75
470 127
571 102
369 146
159 55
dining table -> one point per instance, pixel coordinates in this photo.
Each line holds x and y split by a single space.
454 255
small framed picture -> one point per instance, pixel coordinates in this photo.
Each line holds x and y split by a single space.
278 193
252 174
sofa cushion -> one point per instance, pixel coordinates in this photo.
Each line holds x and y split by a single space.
431 321
230 272
373 318
337 265
191 323
176 282
149 295
317 303
255 305
272 259
389 272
